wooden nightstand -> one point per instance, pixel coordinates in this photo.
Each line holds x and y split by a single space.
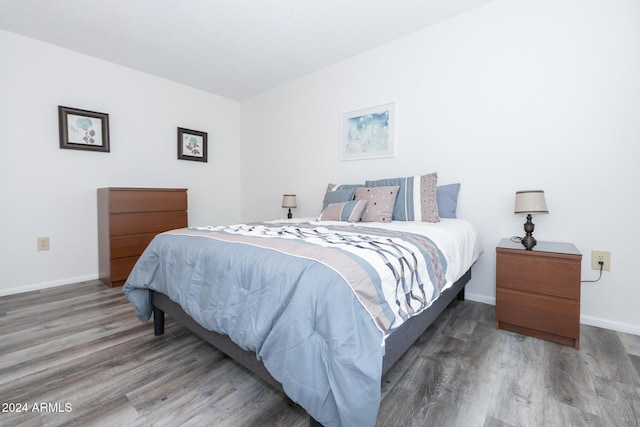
538 291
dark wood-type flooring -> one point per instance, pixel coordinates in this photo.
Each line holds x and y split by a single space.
80 351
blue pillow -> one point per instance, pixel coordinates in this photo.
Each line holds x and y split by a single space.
447 196
337 196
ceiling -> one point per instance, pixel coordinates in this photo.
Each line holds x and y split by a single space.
233 48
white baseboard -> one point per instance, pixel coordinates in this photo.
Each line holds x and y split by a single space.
586 320
610 324
480 298
45 285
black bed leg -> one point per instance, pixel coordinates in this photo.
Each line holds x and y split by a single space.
158 321
461 295
313 422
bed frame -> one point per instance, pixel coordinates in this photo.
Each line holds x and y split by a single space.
395 346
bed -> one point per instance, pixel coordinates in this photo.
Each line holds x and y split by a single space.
321 309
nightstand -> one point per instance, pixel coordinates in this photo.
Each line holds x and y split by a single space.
538 291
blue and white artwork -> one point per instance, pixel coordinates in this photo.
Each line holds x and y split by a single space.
84 130
192 145
368 133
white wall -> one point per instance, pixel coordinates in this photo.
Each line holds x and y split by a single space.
513 95
47 191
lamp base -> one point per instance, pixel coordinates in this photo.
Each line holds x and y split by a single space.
528 241
289 215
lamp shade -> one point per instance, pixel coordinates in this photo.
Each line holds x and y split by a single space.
530 201
289 201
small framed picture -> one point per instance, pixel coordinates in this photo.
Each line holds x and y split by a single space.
83 130
192 145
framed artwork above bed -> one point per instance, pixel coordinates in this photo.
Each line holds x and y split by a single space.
192 145
368 133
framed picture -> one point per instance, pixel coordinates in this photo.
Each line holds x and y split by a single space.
83 130
368 133
192 145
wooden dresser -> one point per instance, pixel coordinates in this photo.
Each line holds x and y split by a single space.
538 291
128 219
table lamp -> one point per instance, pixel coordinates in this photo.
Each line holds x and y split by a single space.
530 202
289 201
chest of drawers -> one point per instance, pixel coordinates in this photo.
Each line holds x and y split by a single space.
128 219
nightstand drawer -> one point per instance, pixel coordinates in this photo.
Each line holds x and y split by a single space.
538 312
541 274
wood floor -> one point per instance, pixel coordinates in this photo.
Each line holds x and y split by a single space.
76 355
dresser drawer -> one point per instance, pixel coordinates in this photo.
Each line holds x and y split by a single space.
121 267
147 201
146 222
126 246
538 312
541 274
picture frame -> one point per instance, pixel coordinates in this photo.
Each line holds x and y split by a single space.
368 133
83 129
192 145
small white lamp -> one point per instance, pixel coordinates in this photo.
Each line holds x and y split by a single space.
530 202
289 201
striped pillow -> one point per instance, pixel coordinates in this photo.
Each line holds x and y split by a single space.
416 199
345 211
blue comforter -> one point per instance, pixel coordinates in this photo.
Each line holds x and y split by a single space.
313 303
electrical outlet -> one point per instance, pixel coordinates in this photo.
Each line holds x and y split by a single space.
43 243
604 256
